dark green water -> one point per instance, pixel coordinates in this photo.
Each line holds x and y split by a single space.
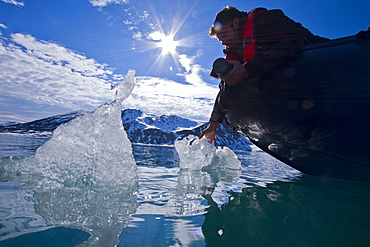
306 212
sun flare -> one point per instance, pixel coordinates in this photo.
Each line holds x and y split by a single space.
168 45
166 42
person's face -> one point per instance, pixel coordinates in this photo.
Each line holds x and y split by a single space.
229 36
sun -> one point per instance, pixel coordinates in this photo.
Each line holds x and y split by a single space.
168 45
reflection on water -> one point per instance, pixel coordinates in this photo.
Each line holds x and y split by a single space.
17 211
305 212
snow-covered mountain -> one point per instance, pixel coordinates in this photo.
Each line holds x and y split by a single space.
140 127
43 126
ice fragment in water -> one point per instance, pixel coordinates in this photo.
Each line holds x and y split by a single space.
196 154
88 168
202 165
92 147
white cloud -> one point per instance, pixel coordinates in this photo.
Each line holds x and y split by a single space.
103 3
160 96
155 35
137 36
13 2
40 79
58 55
193 70
3 26
49 75
185 62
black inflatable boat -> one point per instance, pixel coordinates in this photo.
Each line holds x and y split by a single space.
314 114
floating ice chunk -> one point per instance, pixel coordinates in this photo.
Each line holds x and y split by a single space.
202 165
225 158
197 154
85 176
92 147
194 153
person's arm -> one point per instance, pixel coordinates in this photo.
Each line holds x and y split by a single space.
210 132
217 117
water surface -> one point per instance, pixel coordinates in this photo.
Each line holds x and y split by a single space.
267 204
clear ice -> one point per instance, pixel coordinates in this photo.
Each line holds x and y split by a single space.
198 154
85 176
203 165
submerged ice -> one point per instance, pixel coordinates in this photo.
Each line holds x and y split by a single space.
85 175
202 165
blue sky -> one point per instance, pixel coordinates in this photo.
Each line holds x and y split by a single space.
62 55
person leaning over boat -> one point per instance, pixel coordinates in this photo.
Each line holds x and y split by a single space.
256 43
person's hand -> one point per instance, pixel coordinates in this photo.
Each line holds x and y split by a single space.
210 132
236 75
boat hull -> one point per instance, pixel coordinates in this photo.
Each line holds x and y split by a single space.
313 114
